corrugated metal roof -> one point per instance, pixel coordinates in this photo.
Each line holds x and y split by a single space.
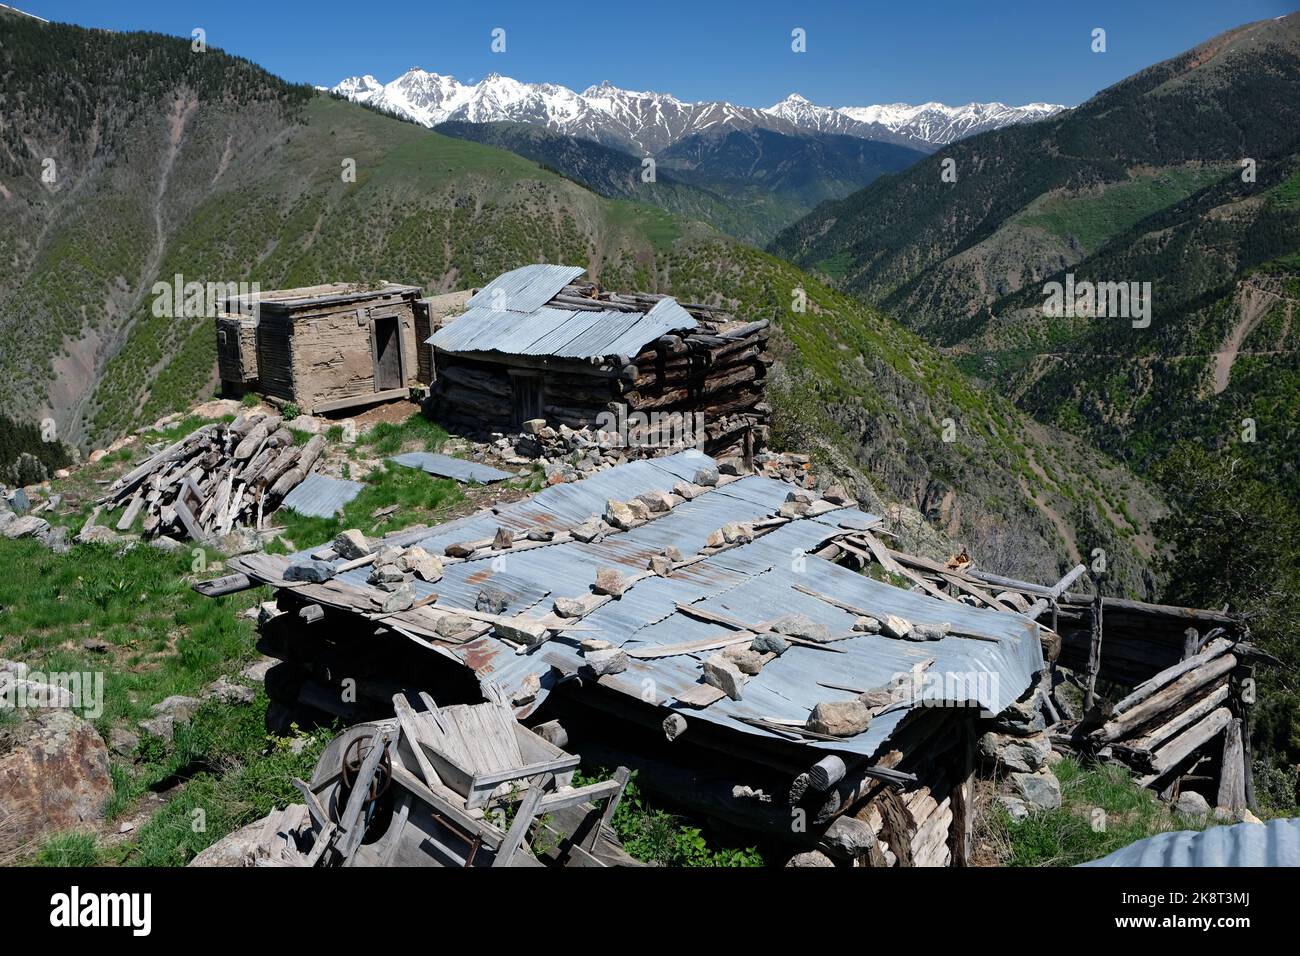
516 321
1276 843
319 496
752 583
446 467
525 289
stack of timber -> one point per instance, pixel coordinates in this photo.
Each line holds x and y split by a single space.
217 478
1189 722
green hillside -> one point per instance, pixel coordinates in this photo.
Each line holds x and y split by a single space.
255 192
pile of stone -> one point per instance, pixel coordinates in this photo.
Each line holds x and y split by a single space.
20 517
1017 751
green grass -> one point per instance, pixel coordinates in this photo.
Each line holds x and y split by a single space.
1077 833
419 497
163 638
653 835
79 849
1094 217
416 433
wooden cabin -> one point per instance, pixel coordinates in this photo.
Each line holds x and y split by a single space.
538 343
325 347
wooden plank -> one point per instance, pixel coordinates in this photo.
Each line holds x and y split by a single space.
964 585
1232 775
1170 674
652 652
226 584
572 797
524 817
1189 741
366 399
1121 724
410 730
350 821
1156 737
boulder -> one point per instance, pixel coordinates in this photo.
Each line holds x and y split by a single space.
640 510
769 644
386 576
611 660
867 625
793 509
27 526
657 501
661 565
351 544
686 490
178 707
521 630
840 718
429 570
399 600
619 514
706 477
1192 805
53 776
569 607
800 625
611 582
122 742
534 426
836 494
504 538
927 632
492 600
230 693
810 858
1015 754
894 626
588 531
746 661
1040 790
317 572
449 625
724 675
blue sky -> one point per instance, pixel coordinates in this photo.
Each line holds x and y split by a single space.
857 53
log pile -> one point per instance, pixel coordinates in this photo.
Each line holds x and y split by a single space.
217 478
1184 717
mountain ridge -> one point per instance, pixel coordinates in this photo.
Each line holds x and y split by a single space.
650 122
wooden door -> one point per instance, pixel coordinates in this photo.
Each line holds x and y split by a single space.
388 354
526 390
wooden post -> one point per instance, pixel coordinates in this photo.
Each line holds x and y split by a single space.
1094 648
1246 699
1232 771
961 830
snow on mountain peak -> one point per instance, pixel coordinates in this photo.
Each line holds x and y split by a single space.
649 121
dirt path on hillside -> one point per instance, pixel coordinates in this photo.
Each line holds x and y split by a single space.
1253 305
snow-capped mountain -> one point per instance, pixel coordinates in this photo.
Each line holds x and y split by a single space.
940 125
649 122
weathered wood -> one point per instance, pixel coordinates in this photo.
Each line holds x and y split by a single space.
1170 674
1152 707
1232 773
1186 743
